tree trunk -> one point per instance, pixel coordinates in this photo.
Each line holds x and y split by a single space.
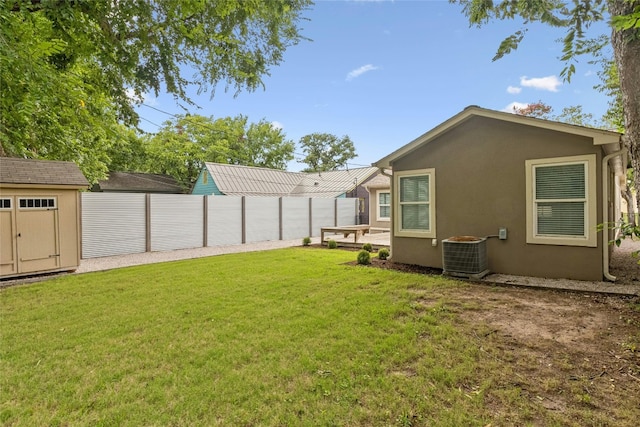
626 48
628 197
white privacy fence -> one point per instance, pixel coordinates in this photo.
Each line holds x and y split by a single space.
121 223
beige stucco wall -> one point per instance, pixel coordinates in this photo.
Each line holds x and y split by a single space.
68 223
480 187
374 219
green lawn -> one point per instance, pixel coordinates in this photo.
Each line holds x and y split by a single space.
286 337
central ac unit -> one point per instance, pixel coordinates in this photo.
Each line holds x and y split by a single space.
465 256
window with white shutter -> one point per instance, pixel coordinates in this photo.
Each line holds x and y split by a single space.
561 201
415 202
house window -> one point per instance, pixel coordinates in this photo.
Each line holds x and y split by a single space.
561 201
415 202
37 203
384 206
5 203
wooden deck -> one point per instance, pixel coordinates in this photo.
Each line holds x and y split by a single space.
355 236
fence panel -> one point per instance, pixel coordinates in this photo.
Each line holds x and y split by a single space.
347 211
176 221
113 224
262 219
224 220
116 223
295 217
322 214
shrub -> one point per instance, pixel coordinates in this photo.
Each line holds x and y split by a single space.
383 253
367 247
332 244
364 257
306 241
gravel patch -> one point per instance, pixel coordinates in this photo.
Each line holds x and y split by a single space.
111 262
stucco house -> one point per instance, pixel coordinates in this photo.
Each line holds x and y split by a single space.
535 189
233 180
379 189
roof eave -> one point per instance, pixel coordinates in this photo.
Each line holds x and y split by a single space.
600 137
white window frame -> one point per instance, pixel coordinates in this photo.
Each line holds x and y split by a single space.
2 203
589 238
379 217
398 230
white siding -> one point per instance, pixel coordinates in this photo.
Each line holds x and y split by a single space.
323 214
113 224
176 221
225 220
116 223
295 218
262 219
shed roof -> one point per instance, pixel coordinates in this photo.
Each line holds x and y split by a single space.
605 138
235 180
137 182
46 172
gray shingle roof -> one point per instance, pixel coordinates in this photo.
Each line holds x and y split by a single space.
45 172
234 180
137 182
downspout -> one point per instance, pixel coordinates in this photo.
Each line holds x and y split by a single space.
605 213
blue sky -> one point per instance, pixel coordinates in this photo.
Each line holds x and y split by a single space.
385 72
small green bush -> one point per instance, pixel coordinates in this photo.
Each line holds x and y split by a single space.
367 247
364 257
306 241
332 244
383 253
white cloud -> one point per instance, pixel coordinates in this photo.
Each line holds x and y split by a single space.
360 71
549 83
277 125
514 90
144 98
510 108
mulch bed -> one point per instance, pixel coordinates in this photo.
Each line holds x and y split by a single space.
388 264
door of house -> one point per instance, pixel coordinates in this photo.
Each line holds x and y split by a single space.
37 234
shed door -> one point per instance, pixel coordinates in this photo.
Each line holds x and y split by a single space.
37 231
8 263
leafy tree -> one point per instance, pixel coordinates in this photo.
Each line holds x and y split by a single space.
184 144
576 17
572 114
71 70
261 145
127 151
614 117
325 152
536 109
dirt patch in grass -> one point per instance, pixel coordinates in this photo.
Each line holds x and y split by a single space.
567 352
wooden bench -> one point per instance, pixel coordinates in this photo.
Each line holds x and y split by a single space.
356 230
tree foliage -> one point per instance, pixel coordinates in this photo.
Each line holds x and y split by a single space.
573 114
326 152
70 71
535 109
185 143
576 17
